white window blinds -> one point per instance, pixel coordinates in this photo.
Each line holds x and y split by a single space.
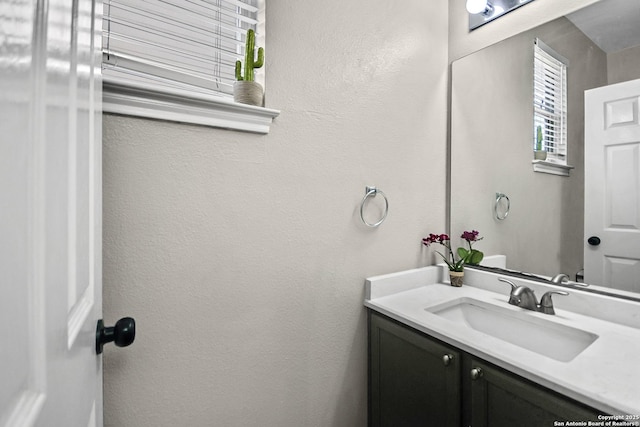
550 102
184 45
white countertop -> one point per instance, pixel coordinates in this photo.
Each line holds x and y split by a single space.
605 376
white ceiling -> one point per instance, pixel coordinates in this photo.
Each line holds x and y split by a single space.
612 24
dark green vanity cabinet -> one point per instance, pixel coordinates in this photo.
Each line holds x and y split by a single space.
413 381
498 398
416 380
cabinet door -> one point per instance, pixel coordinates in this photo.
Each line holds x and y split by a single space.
413 380
499 399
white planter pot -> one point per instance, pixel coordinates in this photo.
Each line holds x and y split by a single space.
247 92
540 155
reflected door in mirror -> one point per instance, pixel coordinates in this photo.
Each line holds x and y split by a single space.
612 186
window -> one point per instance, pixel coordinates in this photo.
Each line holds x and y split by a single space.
550 103
175 60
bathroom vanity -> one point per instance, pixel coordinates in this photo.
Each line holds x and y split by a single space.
446 356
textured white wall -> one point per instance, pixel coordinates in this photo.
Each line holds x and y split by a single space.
242 257
624 65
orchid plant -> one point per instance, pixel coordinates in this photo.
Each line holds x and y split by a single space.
471 256
465 256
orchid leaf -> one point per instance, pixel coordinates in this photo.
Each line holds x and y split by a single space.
462 253
475 257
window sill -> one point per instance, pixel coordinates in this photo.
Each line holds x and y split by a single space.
185 107
551 168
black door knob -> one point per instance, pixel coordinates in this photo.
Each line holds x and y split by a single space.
122 334
593 240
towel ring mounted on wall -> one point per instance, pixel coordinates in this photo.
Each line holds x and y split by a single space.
373 192
499 197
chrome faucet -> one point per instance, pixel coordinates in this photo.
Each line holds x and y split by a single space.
524 297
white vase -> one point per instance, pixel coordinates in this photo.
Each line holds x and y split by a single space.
247 92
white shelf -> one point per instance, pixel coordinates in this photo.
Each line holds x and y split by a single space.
543 166
181 106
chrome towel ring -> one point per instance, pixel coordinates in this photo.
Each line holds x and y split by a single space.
373 192
505 213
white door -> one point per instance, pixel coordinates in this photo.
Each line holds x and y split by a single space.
612 186
50 213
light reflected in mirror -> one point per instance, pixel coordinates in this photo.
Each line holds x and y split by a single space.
492 140
484 11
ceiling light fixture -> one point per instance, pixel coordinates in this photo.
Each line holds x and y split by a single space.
483 11
479 6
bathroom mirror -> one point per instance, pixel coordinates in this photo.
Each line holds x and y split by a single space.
492 138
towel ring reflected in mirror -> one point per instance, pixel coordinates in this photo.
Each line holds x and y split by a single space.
502 199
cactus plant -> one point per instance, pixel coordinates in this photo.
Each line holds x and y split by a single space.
250 63
539 152
539 139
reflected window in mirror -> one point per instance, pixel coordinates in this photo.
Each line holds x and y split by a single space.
549 105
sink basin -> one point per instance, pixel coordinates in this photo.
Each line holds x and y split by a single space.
521 328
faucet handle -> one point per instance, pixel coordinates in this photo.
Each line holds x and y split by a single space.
513 299
559 278
513 285
546 304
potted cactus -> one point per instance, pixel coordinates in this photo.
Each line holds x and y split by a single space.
245 89
539 153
